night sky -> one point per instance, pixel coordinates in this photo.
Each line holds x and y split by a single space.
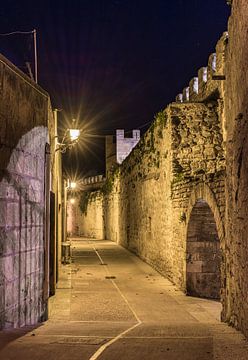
111 63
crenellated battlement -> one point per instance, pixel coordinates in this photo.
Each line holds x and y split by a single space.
208 80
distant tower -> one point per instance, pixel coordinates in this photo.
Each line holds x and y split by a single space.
119 147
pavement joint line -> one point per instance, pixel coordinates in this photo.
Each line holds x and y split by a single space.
126 337
105 346
89 321
139 322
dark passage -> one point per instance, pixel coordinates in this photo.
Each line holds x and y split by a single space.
203 253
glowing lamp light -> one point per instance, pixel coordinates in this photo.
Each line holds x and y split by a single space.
73 185
74 134
72 201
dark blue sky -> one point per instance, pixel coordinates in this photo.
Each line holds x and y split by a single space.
112 63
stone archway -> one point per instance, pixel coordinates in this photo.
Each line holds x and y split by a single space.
22 232
203 254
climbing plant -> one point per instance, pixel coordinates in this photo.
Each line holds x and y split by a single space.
84 200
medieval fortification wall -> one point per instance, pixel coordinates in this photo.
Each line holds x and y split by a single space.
179 200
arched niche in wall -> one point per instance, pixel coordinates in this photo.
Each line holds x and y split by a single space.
203 254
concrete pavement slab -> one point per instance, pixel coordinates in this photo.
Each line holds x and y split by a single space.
96 307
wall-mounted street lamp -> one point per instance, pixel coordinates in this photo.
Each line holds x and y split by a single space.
70 138
71 185
74 134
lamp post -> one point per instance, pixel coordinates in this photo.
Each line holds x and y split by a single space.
66 251
69 139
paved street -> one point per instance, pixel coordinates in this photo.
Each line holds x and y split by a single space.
110 305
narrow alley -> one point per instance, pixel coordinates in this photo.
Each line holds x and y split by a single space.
111 305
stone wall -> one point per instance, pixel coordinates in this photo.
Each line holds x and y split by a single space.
148 201
112 208
89 223
144 200
180 160
124 145
180 153
198 169
73 217
118 147
194 154
24 109
236 118
110 153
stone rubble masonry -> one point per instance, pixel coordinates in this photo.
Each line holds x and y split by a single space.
24 112
179 157
236 119
179 161
89 224
197 151
92 222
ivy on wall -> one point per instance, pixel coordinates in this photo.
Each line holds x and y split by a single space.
108 186
84 201
85 198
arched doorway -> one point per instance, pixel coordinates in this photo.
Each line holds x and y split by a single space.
203 255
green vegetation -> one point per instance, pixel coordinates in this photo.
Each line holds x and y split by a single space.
178 177
161 118
85 198
108 186
146 146
178 171
177 168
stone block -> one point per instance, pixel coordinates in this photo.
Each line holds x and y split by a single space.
4 186
8 267
10 241
12 214
211 65
202 79
186 94
3 212
193 88
136 134
120 134
179 98
11 293
12 193
220 53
